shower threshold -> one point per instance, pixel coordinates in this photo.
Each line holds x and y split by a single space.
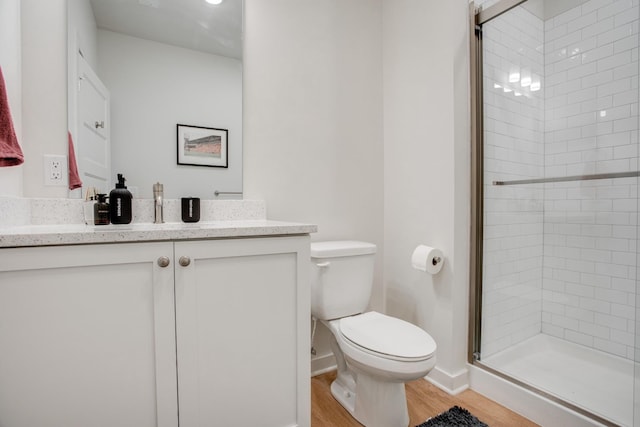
596 381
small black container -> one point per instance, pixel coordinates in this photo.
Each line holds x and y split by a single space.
190 209
101 211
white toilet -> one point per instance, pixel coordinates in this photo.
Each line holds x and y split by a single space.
376 354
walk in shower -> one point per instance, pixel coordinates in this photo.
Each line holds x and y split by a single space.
554 297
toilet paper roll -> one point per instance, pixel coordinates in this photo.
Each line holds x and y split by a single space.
427 259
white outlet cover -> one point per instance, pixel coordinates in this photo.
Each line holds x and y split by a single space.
55 170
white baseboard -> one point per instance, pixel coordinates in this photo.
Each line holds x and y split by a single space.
323 364
451 383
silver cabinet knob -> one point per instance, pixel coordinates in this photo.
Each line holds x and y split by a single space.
184 261
163 261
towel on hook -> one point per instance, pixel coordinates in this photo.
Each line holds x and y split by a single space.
10 151
74 177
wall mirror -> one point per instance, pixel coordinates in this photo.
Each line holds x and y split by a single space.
137 70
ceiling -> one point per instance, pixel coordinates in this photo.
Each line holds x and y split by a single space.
192 24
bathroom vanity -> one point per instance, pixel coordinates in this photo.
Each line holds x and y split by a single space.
155 325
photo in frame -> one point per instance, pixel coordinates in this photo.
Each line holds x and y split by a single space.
202 146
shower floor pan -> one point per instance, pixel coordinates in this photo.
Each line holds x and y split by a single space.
593 380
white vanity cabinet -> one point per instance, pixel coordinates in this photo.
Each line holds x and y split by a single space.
188 333
84 336
243 332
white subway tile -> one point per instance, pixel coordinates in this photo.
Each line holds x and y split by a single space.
610 321
582 21
582 291
614 61
612 270
613 9
627 97
610 347
598 306
590 78
568 16
614 218
613 86
622 337
612 244
592 5
627 16
623 285
614 139
626 43
597 79
600 27
625 205
629 69
625 124
594 330
595 255
625 151
623 310
600 52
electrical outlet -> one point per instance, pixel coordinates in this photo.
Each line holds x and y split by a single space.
55 168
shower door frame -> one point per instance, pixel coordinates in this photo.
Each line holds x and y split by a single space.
477 18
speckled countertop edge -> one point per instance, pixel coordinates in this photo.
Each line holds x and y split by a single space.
76 234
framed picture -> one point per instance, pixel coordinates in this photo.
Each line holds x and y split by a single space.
201 146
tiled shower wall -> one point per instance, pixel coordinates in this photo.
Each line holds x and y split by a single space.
583 120
514 149
591 127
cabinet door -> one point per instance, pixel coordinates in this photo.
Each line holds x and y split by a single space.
87 336
242 326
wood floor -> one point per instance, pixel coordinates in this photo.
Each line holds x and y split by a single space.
423 399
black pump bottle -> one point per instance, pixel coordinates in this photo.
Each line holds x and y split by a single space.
120 203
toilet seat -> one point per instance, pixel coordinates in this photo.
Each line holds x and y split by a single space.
387 337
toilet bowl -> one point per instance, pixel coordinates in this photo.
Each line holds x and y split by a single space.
375 353
387 347
375 357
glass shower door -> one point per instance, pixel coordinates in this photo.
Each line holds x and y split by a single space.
559 201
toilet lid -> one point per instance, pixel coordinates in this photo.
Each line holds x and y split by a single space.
387 335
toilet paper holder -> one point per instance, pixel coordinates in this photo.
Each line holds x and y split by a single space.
427 259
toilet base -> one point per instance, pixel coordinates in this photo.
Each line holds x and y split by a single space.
374 403
344 394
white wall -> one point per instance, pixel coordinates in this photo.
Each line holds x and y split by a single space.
313 118
44 91
427 167
318 149
11 177
155 86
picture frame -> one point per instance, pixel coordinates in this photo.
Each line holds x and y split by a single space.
202 146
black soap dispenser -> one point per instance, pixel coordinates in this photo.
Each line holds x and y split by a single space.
120 203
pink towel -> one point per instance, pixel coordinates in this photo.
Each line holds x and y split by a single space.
74 177
10 151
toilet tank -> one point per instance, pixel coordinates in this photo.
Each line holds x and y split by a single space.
341 278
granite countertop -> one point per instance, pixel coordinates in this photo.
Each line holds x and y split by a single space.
48 222
73 234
